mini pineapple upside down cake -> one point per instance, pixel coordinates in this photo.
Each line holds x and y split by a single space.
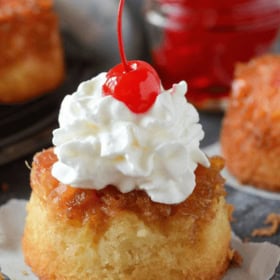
126 193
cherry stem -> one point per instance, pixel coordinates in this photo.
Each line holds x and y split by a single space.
120 37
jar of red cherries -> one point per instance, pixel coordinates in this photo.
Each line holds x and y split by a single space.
200 41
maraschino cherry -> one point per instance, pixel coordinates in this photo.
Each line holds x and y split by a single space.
134 82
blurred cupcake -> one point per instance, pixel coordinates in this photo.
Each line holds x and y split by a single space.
250 135
31 61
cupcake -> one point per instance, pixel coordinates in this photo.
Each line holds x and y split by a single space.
31 61
126 192
125 195
250 134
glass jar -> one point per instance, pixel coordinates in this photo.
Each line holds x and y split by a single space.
201 41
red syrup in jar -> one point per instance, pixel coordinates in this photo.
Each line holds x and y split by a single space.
201 41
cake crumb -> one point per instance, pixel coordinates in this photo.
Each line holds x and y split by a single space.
25 273
274 220
246 240
236 259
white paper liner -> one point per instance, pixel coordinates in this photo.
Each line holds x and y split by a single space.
215 149
259 259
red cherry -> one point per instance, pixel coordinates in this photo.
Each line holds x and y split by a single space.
137 88
135 82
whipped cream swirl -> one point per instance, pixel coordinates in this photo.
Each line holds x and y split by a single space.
101 142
